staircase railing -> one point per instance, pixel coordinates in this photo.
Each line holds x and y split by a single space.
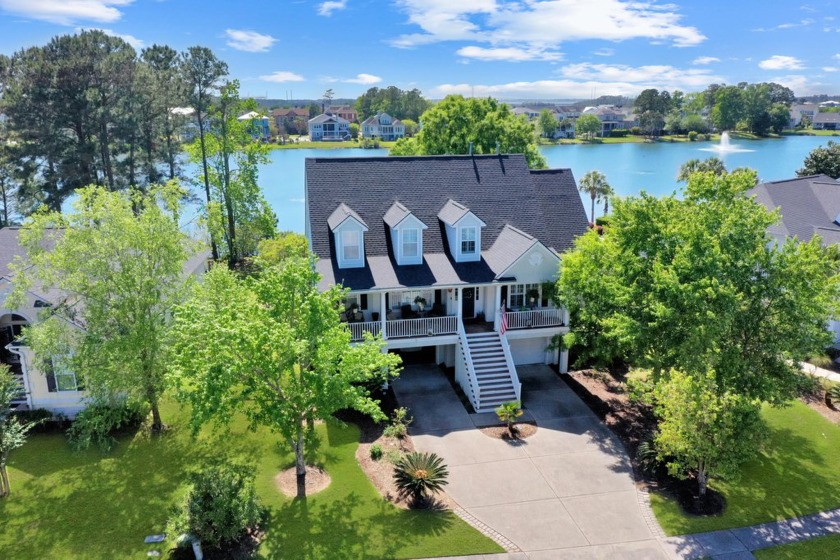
464 369
514 377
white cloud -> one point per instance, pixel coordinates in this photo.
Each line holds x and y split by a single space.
327 8
705 60
604 52
248 41
836 56
579 80
542 26
130 39
790 25
780 62
801 85
830 69
365 79
511 54
282 76
66 12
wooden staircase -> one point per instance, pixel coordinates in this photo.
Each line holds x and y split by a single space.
495 373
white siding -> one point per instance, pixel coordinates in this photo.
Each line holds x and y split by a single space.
530 350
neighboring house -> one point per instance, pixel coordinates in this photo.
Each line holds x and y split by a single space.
800 110
826 121
431 247
291 121
830 103
58 390
612 118
383 126
259 125
809 206
328 127
345 112
527 111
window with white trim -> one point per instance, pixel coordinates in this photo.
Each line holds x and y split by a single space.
351 245
410 243
60 377
468 237
518 296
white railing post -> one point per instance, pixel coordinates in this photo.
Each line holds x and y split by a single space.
383 314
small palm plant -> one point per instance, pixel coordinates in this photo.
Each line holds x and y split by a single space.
417 475
832 396
508 413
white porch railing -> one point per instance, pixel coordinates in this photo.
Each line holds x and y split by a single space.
548 317
357 330
430 326
514 376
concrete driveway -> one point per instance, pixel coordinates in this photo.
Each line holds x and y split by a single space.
565 492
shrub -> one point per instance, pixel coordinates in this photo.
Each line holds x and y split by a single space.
417 475
692 135
508 413
221 506
42 420
100 422
635 131
398 428
619 133
832 395
375 451
603 221
647 457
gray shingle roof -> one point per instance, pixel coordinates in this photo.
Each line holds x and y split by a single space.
395 214
326 117
498 189
808 205
342 213
452 212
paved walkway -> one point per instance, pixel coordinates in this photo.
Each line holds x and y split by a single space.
565 492
820 372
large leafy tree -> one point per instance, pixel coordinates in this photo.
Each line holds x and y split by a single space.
728 107
400 104
588 125
694 284
703 431
825 159
237 213
456 122
547 123
119 258
712 165
12 431
271 346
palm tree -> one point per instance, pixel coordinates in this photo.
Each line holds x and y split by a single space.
508 413
711 165
418 474
595 184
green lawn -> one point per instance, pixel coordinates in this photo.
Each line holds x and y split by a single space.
88 505
326 145
821 548
798 473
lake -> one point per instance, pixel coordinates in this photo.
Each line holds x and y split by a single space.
630 168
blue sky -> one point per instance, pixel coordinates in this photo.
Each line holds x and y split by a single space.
525 49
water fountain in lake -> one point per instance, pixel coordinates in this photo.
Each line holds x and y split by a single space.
725 147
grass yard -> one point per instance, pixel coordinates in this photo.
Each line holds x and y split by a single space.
327 145
88 505
798 473
821 548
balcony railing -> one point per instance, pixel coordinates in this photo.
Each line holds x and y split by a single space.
430 326
357 330
548 317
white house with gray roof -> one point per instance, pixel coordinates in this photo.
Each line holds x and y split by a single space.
450 258
328 127
383 126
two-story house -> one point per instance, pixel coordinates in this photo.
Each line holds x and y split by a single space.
258 124
291 120
345 112
448 257
329 127
383 127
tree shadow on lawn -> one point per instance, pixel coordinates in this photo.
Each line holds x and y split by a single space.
89 504
337 529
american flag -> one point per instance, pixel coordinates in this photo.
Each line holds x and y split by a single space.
503 325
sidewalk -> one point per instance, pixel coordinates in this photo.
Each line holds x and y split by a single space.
737 544
820 372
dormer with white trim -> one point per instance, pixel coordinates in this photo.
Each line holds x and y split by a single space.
463 231
349 236
406 234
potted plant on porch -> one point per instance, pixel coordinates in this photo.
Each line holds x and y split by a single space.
533 295
421 302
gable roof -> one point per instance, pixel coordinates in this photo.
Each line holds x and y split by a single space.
452 212
808 205
327 117
341 214
498 189
374 120
396 214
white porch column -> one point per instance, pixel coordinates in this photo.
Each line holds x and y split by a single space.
383 314
497 319
563 365
459 297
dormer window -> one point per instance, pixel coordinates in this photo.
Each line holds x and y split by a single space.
351 245
406 234
468 237
411 243
349 233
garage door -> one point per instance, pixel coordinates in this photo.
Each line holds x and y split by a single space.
528 350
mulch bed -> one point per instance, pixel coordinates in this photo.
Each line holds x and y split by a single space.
317 480
522 430
817 402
